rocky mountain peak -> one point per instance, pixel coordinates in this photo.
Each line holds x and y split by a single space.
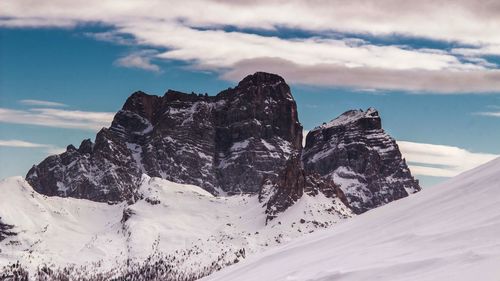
86 146
261 79
357 154
225 144
368 120
143 104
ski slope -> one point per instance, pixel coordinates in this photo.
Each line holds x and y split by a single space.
447 232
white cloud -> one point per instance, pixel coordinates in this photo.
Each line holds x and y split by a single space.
58 118
50 149
42 103
111 36
417 80
215 48
467 21
489 113
20 143
482 50
192 31
141 60
440 160
55 150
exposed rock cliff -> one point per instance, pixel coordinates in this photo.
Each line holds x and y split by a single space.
365 162
226 143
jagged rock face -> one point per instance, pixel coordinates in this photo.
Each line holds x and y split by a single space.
225 144
280 193
291 185
354 151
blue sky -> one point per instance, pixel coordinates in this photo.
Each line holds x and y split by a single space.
439 97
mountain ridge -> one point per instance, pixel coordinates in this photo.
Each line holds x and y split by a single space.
242 140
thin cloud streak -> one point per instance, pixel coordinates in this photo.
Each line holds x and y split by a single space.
58 118
441 160
21 143
50 149
490 114
42 103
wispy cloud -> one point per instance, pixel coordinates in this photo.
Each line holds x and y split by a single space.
50 149
55 150
488 113
58 118
42 103
141 60
441 160
21 143
111 36
492 111
182 31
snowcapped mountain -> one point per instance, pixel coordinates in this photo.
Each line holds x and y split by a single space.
447 232
183 185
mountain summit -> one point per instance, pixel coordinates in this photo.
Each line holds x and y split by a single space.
361 158
225 144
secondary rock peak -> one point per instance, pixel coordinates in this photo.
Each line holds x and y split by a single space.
369 119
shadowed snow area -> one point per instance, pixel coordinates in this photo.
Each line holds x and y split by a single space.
448 232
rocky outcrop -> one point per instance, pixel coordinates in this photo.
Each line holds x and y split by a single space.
6 230
354 152
226 143
292 184
280 193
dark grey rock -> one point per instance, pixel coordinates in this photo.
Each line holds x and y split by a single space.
226 144
355 152
6 230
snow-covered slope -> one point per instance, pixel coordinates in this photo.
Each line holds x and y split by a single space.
195 229
448 232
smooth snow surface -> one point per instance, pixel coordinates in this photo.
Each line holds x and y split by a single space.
447 232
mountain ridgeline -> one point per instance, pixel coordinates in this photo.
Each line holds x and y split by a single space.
246 139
